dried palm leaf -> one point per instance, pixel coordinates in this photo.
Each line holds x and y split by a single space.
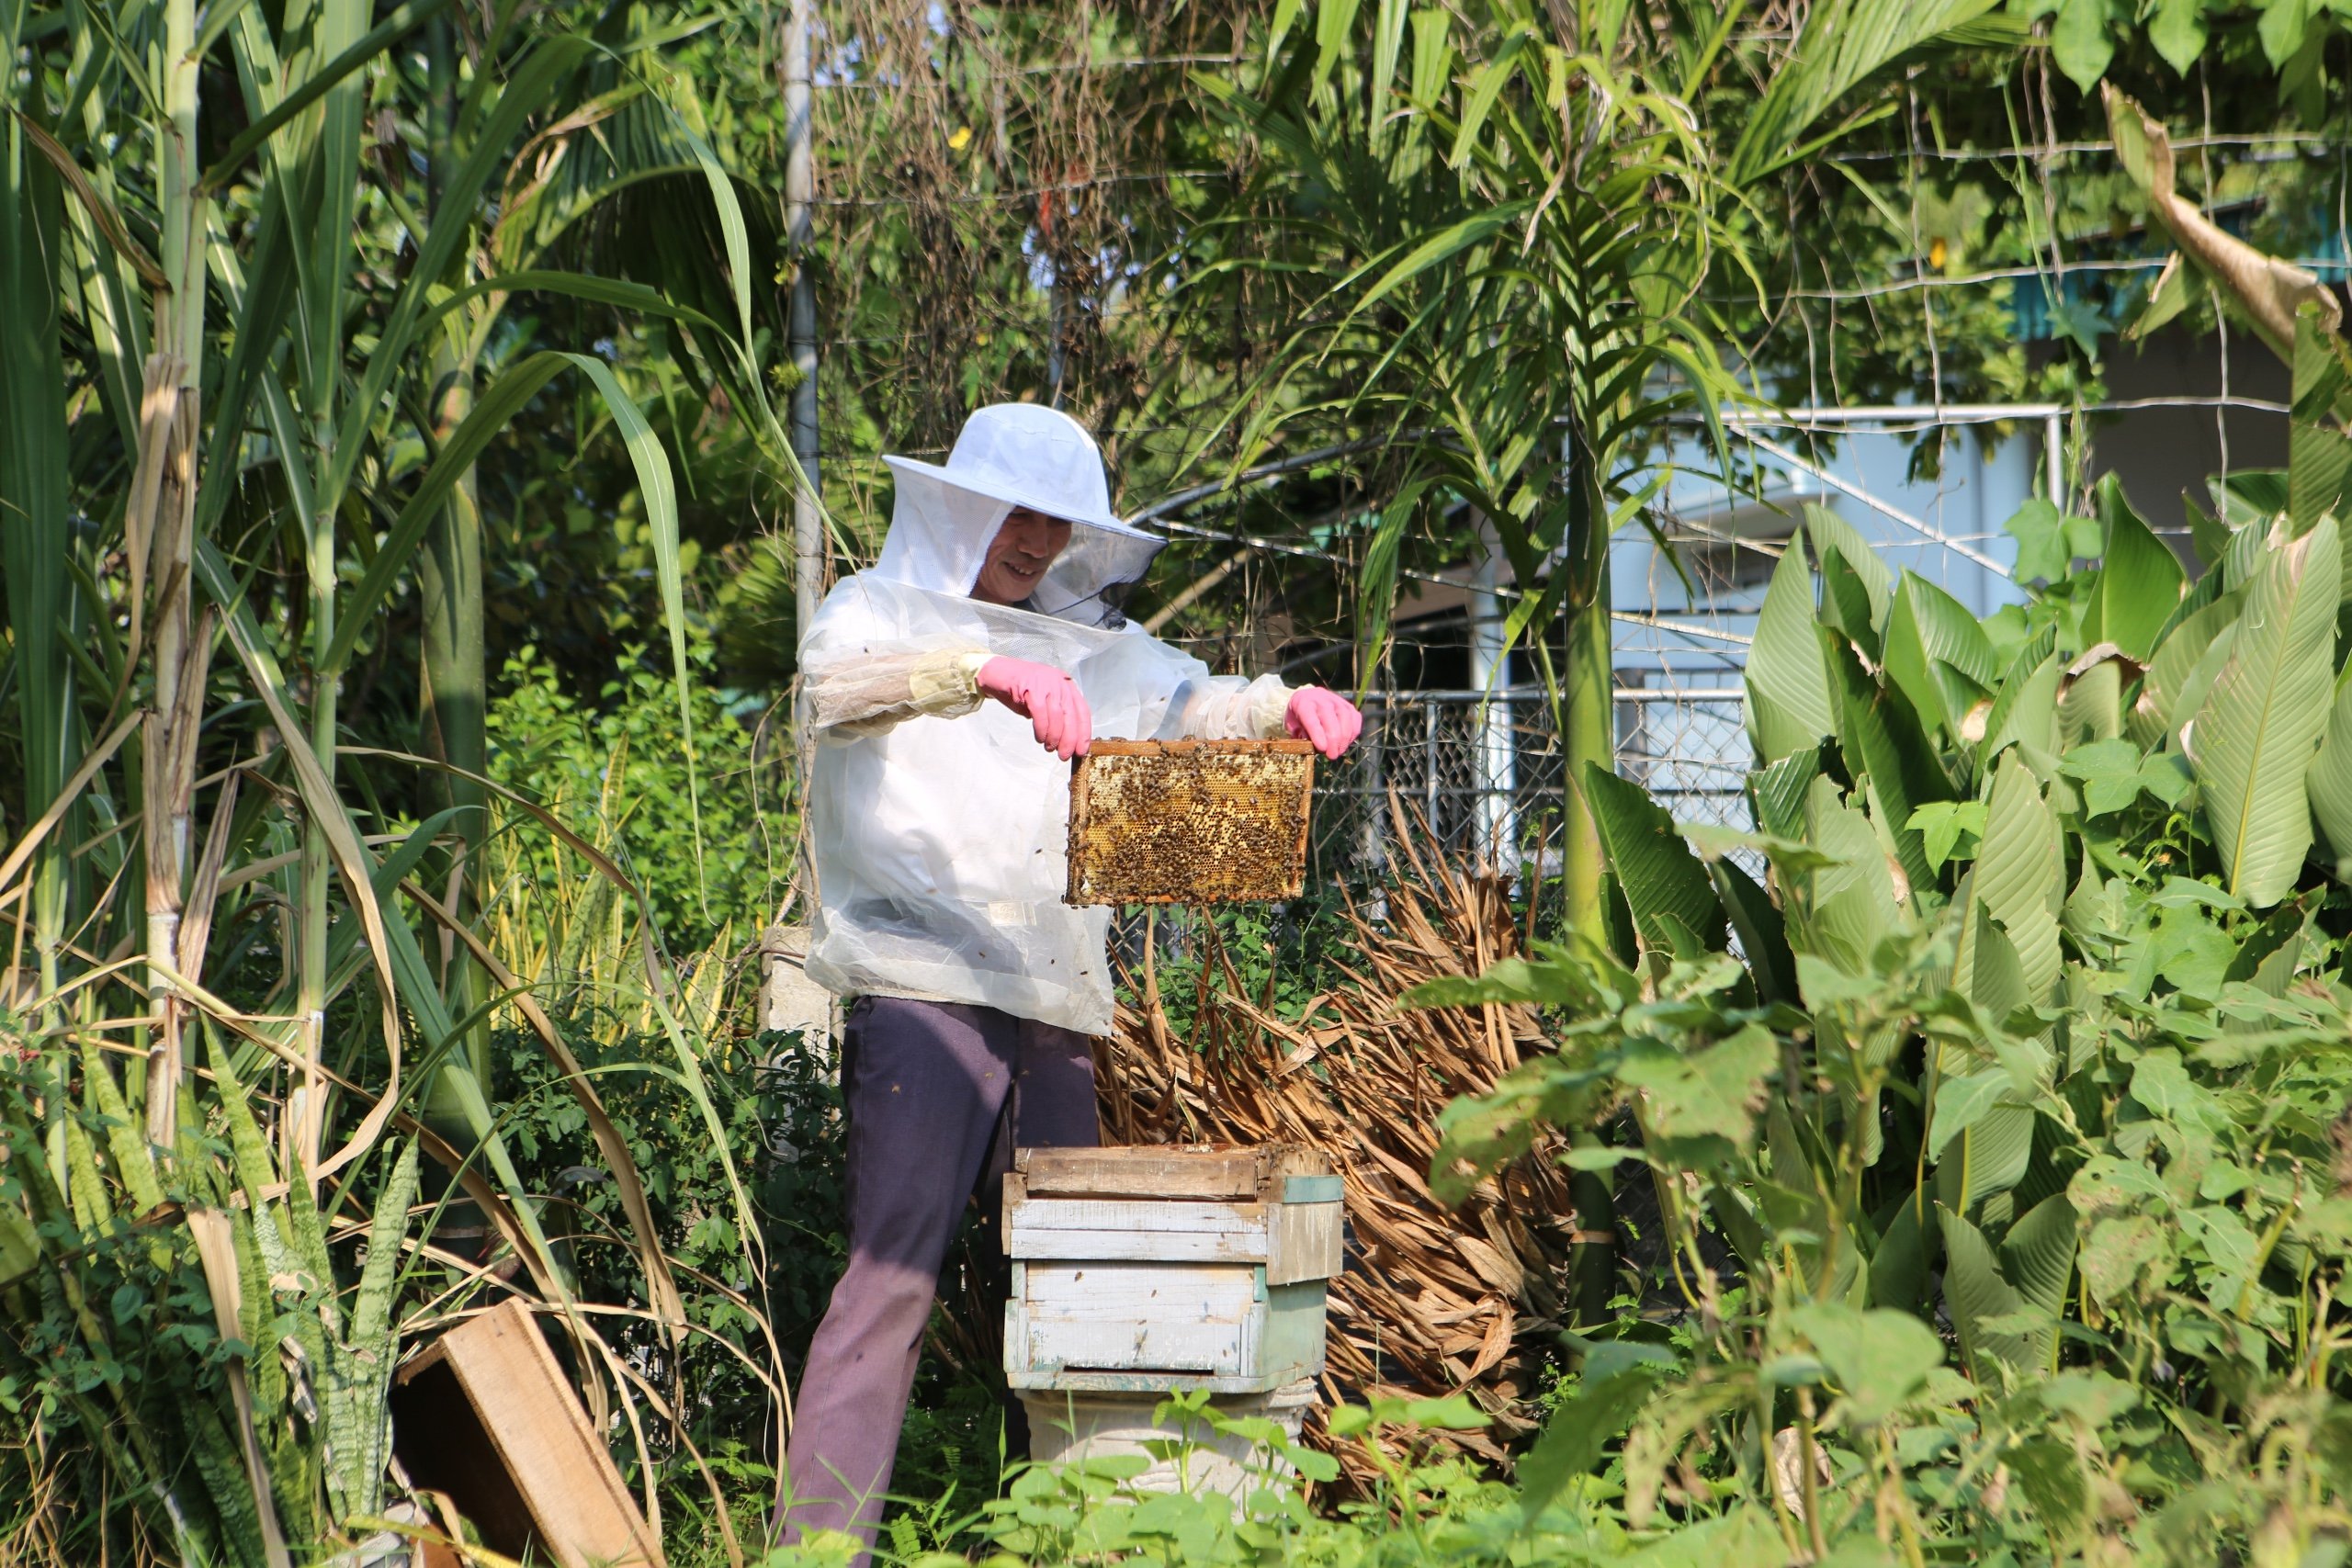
1434 1301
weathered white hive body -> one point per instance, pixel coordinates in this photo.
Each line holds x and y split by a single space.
1138 1272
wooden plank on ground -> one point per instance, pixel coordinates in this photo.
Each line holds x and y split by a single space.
487 1416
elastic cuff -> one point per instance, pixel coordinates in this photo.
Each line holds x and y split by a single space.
947 685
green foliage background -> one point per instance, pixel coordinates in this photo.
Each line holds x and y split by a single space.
612 766
2106 1099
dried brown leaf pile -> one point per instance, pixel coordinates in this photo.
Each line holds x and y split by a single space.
1433 1300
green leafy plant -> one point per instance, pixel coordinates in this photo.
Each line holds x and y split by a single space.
2000 1160
241 428
128 1277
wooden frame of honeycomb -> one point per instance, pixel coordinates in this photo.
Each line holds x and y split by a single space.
1189 821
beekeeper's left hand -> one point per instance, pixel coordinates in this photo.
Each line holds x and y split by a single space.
1324 718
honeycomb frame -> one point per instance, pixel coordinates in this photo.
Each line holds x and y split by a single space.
1189 821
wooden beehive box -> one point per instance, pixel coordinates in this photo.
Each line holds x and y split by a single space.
1189 821
1168 1268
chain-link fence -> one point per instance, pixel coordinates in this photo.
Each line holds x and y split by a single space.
1688 748
1484 771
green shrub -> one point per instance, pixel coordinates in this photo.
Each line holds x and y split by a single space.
2021 1111
615 770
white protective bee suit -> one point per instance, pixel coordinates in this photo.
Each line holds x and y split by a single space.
939 822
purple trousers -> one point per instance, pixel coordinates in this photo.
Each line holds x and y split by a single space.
938 1095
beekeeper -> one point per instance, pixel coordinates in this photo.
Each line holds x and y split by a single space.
949 688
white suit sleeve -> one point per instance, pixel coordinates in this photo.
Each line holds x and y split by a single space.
1226 707
878 691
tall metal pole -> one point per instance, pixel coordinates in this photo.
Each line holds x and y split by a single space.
2053 456
786 991
799 193
1490 678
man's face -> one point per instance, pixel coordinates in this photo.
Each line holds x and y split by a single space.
1018 556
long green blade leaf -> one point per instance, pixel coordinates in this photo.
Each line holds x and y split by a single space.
1788 686
2140 581
1664 882
2020 879
2252 741
661 498
498 404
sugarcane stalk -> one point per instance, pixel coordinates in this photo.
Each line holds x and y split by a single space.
455 684
305 1123
167 494
330 131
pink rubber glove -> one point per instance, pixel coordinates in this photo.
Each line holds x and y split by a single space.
1325 718
1048 699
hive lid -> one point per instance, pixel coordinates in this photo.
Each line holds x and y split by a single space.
1165 1170
1189 821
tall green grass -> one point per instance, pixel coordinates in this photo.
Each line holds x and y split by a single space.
254 347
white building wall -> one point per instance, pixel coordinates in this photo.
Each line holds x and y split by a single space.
1981 485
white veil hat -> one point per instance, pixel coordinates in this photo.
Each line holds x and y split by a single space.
1012 455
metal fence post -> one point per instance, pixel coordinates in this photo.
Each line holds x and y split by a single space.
1429 761
808 502
2053 457
1497 745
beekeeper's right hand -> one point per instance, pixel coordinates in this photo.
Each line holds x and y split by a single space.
1048 699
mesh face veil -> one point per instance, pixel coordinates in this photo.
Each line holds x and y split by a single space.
1091 580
